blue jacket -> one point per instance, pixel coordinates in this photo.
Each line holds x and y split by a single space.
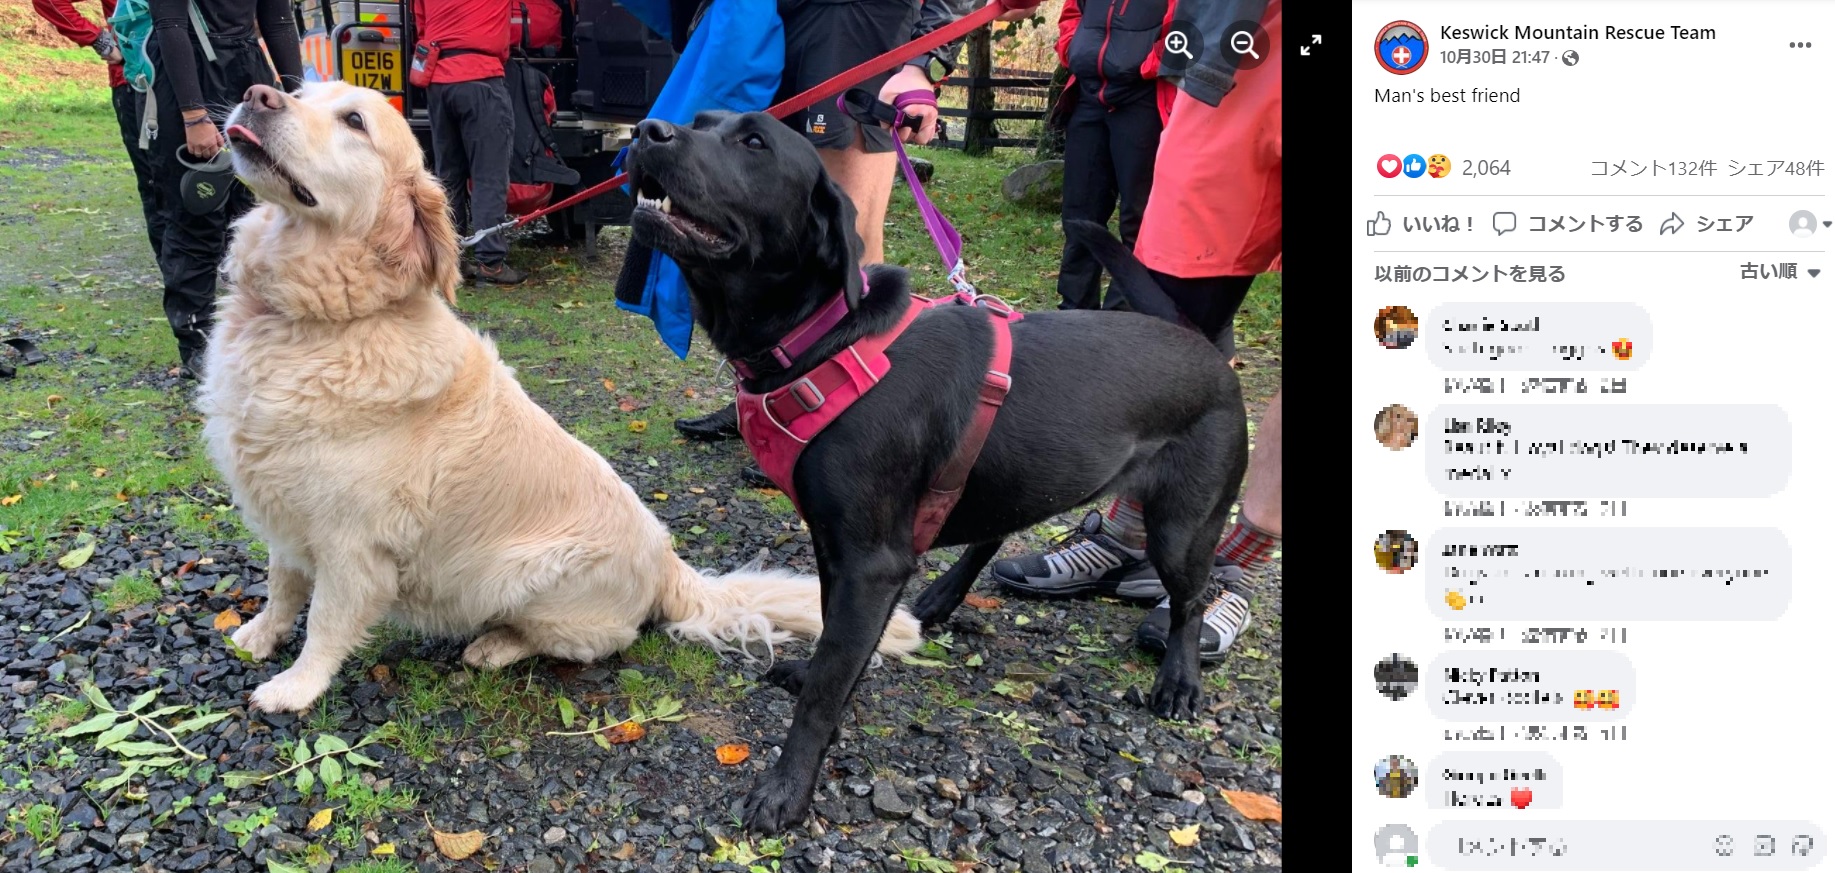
733 60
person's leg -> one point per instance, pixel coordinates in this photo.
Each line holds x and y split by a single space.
192 245
1134 141
449 160
1089 194
129 105
485 128
1210 304
866 177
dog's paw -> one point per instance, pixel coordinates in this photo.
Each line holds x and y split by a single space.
789 675
935 606
292 691
261 636
776 804
1177 696
497 648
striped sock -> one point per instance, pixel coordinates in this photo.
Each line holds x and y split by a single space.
1251 549
1124 522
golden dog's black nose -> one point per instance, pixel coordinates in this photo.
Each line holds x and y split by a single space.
262 97
652 130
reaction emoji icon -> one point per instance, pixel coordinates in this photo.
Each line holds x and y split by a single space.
1439 166
1388 166
1583 700
1608 699
1621 349
1520 797
1455 600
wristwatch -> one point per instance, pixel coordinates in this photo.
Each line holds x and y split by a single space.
934 69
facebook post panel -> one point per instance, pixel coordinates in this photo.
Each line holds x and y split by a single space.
1591 323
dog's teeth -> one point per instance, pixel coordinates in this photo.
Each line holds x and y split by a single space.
665 206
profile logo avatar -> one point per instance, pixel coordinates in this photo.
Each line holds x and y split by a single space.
1400 47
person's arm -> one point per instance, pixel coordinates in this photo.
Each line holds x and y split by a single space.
931 16
62 15
1213 74
1067 28
172 28
275 20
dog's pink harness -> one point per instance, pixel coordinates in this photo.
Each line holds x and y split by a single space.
779 424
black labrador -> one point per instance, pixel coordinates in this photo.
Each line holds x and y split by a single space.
1101 402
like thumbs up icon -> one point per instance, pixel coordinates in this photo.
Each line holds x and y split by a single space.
1378 226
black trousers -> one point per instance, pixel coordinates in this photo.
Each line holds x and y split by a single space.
471 129
129 104
191 247
1108 158
1209 303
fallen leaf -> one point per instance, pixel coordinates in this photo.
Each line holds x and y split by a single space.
99 472
1021 620
77 557
609 387
733 753
1154 861
689 393
226 619
380 673
185 568
11 499
38 435
384 849
320 820
624 732
457 847
1185 837
53 400
661 495
637 426
625 852
627 405
1255 807
980 602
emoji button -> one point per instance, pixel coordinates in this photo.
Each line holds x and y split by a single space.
1414 166
1455 600
1439 166
1608 699
1389 166
1583 700
1621 349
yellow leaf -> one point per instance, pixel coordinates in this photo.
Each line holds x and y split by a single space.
99 472
639 426
625 852
11 499
1184 838
661 495
226 620
624 732
1255 807
320 820
384 849
608 385
457 847
53 400
733 753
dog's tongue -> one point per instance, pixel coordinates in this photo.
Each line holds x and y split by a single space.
237 131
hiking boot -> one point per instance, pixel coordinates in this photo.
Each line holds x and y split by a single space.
755 477
713 427
501 274
468 270
1226 615
1085 562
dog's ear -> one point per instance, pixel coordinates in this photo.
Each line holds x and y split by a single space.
837 244
415 236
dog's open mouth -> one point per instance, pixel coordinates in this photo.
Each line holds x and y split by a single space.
652 196
246 144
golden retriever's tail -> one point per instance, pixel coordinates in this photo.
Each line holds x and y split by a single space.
753 604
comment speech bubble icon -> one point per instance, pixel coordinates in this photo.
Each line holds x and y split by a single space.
1503 222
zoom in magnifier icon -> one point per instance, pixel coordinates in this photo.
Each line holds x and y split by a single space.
1182 46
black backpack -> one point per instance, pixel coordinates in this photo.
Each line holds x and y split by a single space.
534 168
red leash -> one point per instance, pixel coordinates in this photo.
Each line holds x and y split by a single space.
859 73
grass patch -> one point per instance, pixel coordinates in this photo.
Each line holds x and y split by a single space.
130 590
37 822
365 803
378 865
55 713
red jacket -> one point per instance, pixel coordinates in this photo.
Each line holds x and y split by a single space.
1117 46
63 15
477 28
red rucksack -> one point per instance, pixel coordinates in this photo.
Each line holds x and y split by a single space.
535 26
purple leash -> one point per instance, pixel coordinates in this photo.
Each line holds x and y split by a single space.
949 242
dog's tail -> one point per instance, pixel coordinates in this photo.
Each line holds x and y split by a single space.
755 605
1132 277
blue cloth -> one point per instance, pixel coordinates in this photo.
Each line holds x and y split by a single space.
733 61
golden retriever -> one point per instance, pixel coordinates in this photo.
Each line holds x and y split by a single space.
391 460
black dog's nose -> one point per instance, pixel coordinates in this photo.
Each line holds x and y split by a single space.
262 97
652 130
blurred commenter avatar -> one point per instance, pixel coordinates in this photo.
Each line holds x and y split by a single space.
1397 427
1397 552
1397 327
1397 677
1396 777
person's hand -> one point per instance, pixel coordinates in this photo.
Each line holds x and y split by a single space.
202 139
912 78
113 55
1017 10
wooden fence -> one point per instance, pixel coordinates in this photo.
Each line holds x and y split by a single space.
993 94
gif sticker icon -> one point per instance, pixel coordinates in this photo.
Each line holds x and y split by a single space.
1396 846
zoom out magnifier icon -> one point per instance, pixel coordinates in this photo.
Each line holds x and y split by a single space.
1242 42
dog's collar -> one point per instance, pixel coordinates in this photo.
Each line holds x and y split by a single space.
783 355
